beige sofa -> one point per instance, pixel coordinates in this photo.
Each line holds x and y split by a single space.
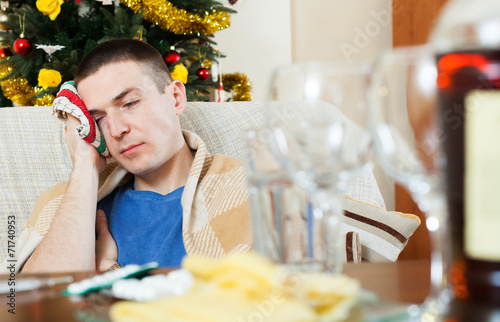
33 154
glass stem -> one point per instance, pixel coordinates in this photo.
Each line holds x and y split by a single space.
327 208
437 225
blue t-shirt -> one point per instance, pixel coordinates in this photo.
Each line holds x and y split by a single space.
146 225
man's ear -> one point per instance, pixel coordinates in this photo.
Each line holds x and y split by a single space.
178 92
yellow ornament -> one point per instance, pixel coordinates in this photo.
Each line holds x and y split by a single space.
180 73
49 78
50 8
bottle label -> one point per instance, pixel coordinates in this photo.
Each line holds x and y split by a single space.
482 175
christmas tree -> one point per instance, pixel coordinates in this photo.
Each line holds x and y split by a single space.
42 42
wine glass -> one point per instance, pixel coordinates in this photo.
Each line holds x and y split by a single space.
305 159
407 135
322 106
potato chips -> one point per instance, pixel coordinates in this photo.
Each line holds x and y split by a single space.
247 287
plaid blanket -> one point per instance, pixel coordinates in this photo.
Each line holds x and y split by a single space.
214 202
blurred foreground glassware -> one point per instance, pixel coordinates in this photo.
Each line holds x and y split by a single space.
278 208
408 141
300 165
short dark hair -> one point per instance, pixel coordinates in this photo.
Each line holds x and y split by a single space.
126 49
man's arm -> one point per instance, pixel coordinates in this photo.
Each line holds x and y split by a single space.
106 250
70 242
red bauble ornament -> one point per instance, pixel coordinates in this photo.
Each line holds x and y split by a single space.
5 52
22 46
232 2
202 73
171 57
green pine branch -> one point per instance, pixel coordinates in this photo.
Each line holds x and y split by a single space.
79 32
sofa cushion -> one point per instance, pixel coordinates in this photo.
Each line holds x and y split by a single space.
383 234
34 156
32 159
220 125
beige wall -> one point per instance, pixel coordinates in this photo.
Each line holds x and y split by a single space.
258 40
340 29
346 31
266 34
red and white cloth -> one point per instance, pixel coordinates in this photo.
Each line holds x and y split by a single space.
68 101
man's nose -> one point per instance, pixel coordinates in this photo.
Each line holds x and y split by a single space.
118 125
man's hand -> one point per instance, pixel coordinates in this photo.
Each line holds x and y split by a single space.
106 251
82 153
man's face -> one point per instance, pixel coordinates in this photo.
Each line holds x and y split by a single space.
139 123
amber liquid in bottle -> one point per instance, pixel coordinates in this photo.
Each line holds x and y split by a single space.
459 74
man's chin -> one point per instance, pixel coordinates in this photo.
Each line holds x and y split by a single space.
134 168
137 170
139 167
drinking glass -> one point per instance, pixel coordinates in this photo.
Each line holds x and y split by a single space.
407 135
300 164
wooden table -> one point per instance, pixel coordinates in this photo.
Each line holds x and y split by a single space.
404 281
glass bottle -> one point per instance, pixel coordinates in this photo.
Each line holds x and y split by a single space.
466 39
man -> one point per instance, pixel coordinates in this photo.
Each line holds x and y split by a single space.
163 197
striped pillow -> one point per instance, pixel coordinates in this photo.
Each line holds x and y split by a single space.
383 234
352 248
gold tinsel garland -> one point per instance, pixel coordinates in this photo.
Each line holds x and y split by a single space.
19 91
239 84
179 21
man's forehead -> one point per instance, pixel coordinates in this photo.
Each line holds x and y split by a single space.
125 66
97 98
114 98
117 75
